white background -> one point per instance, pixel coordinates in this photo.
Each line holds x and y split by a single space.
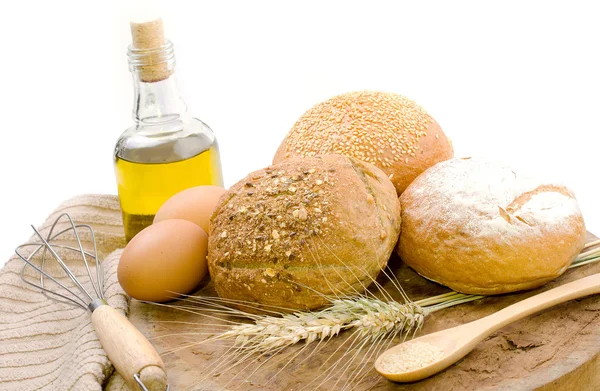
513 80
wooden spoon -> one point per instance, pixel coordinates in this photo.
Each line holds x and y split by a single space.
457 342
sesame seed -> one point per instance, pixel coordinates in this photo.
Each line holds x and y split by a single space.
302 214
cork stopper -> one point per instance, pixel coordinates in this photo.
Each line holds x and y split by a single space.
148 44
147 35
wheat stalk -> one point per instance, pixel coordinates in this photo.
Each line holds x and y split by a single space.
371 322
371 316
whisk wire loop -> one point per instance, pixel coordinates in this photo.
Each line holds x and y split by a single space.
139 382
100 280
63 265
51 294
97 285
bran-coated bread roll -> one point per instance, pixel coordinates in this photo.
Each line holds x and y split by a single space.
324 224
385 129
479 227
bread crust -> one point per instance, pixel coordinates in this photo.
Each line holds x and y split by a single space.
385 129
290 233
477 227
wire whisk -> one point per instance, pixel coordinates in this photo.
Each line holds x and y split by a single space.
73 299
134 358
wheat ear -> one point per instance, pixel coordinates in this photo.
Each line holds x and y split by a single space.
372 317
372 324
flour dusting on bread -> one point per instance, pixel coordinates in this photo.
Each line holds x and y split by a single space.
480 227
475 187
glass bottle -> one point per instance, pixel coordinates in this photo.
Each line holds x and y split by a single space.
166 150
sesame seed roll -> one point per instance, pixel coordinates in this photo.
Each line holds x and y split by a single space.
385 129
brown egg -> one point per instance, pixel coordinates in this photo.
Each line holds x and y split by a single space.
195 204
163 261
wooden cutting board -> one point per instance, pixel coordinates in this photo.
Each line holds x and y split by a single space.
558 349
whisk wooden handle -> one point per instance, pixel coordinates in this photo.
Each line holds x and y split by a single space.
128 349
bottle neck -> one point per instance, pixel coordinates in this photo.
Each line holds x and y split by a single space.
158 101
156 95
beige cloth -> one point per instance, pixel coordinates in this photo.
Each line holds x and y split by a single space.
45 345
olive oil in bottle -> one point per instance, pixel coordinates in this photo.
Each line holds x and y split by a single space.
166 150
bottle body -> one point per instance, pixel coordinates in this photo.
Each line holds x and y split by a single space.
148 176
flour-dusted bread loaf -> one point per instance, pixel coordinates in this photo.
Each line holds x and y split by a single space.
292 232
478 227
385 129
